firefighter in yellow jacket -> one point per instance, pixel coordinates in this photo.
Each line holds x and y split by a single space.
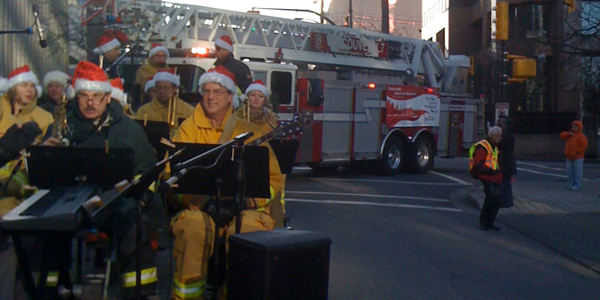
157 60
213 122
258 110
166 105
20 123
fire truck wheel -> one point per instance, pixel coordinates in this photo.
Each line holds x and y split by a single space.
392 158
421 159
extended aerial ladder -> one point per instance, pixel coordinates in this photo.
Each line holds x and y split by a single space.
265 38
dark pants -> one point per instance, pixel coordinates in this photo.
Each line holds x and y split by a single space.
491 204
506 195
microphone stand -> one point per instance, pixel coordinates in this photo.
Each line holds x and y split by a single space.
121 57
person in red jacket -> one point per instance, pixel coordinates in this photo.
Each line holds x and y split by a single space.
483 165
576 144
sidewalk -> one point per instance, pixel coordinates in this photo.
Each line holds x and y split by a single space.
564 220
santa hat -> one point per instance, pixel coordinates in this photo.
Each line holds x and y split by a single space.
117 91
149 84
167 75
158 48
106 43
20 75
224 42
258 86
220 75
56 76
89 77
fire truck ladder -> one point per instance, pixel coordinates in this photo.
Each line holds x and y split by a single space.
266 38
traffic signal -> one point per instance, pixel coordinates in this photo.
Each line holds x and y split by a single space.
502 21
523 68
472 67
571 5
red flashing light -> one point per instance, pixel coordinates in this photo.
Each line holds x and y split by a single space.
371 86
430 90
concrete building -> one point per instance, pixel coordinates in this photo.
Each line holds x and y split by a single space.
405 16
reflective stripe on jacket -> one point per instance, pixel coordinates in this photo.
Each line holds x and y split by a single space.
491 161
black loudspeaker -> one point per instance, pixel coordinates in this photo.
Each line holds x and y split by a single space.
278 265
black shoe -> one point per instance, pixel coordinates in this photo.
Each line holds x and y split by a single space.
483 227
493 227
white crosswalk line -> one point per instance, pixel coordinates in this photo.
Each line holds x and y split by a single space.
363 203
461 182
368 196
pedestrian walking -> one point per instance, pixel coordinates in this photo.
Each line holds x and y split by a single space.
576 144
507 161
483 165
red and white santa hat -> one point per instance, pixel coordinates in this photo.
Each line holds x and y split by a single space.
258 85
220 75
89 77
56 76
106 43
149 84
225 42
158 48
20 75
117 91
167 75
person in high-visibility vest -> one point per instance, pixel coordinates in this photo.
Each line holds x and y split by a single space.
483 165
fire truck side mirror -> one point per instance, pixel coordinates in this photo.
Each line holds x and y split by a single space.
315 92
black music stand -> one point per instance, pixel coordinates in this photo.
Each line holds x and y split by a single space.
285 151
216 172
156 131
51 167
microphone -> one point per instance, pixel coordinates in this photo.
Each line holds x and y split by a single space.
43 43
166 186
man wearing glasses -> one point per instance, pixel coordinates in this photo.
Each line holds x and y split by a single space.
166 105
96 121
213 123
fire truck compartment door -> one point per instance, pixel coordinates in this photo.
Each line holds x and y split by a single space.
367 123
337 118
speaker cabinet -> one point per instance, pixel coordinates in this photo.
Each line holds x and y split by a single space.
278 265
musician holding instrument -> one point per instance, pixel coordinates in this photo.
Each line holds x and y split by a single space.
156 61
213 122
56 85
108 50
166 105
96 121
21 124
258 110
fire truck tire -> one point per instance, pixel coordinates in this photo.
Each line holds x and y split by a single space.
392 158
421 158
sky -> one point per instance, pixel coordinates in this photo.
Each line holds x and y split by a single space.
246 5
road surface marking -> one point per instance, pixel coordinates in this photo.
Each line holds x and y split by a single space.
363 203
461 182
382 181
368 196
541 166
547 174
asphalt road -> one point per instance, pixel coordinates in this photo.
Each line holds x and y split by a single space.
416 237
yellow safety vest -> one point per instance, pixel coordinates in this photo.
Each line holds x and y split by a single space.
491 161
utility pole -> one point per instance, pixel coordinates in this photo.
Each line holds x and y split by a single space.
322 8
349 13
385 16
